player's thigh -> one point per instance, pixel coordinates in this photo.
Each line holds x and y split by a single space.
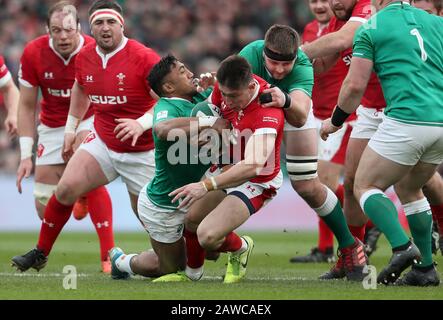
83 173
375 171
202 207
356 147
231 213
412 183
49 174
301 142
329 173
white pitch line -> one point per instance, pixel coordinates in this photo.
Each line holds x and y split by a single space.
40 275
84 275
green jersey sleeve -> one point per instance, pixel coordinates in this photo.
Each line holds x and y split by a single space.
363 46
165 110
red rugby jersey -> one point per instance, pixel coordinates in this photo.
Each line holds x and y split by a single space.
373 96
5 75
255 119
117 87
42 66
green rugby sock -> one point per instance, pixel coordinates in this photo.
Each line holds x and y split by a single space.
383 213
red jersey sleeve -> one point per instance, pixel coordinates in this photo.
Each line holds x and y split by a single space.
4 72
78 69
152 58
28 74
362 11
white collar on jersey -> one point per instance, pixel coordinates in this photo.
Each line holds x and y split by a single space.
399 3
176 98
106 57
66 61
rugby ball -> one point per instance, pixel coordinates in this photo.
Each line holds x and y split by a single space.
205 109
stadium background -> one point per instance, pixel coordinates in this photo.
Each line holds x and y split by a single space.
200 33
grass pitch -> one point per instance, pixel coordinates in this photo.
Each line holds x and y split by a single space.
270 276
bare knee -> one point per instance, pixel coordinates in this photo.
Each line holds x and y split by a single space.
65 193
305 188
40 209
208 239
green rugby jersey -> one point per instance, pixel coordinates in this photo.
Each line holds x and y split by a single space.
406 46
300 78
168 174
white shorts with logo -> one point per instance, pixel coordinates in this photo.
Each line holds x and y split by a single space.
408 144
310 123
254 195
136 169
50 142
368 120
334 148
163 225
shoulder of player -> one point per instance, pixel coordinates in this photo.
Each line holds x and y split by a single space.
311 27
256 45
39 43
88 40
140 50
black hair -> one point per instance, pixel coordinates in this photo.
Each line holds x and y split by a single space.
234 72
156 77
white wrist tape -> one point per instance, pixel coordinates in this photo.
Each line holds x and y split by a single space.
72 124
26 145
206 121
146 121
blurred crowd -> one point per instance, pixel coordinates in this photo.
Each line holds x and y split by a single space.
198 32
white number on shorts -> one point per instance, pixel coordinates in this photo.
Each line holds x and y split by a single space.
424 55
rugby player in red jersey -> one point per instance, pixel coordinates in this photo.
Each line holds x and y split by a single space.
48 63
10 97
111 79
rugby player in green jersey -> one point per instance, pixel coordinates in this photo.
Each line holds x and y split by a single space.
408 145
278 60
175 86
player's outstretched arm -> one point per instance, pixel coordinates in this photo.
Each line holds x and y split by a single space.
258 153
11 97
130 128
333 42
164 128
351 92
26 127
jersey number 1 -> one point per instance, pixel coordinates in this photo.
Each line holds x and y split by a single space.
424 55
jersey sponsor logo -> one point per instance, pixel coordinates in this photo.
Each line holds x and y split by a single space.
162 115
60 93
270 119
113 100
49 76
347 59
40 150
89 79
89 138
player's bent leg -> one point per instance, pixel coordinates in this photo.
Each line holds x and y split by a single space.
374 174
83 173
353 212
165 228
